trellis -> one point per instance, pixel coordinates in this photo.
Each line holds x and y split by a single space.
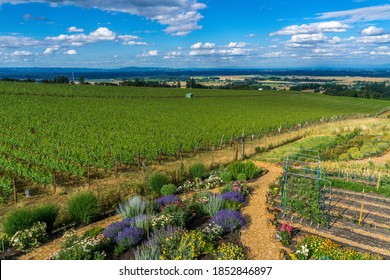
302 163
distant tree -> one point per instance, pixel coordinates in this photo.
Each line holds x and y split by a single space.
82 79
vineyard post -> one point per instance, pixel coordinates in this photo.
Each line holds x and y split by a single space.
179 155
159 157
116 167
231 140
212 156
243 146
15 192
139 159
221 143
54 181
379 181
361 210
88 175
236 150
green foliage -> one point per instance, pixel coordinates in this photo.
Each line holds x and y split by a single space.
241 177
168 189
180 214
157 181
6 189
30 238
229 251
189 246
235 205
198 170
320 248
359 187
246 169
226 176
83 207
303 198
24 218
93 232
134 207
213 204
81 248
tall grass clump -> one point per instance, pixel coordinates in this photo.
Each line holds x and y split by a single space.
24 218
135 206
198 170
83 207
238 168
213 205
157 181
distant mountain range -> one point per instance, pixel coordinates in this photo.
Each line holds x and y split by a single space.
168 73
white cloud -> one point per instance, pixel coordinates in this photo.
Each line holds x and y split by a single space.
51 50
199 45
71 52
151 53
21 53
313 28
381 51
372 30
75 29
180 16
172 54
308 38
251 35
135 43
100 34
366 14
17 42
379 39
274 54
237 45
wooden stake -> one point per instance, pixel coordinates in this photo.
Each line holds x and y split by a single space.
54 182
379 181
88 175
221 143
212 157
15 192
361 211
236 151
116 167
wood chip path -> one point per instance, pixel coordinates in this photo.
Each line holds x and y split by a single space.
259 235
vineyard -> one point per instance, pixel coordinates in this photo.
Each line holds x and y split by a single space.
52 131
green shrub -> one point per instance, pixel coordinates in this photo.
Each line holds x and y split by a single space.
83 207
47 213
168 189
344 157
198 170
241 177
157 181
226 177
229 251
248 168
382 146
24 218
6 189
135 206
29 238
213 205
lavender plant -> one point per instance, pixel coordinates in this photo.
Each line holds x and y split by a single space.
233 196
129 237
229 220
167 200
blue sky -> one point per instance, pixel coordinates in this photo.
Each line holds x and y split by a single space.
195 33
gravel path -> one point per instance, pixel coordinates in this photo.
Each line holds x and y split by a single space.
259 235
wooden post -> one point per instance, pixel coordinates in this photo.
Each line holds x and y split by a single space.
54 182
212 157
361 211
179 151
232 140
159 157
15 192
88 175
243 147
116 167
139 159
236 151
379 181
221 143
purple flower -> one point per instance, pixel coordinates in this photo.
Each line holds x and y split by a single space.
229 220
233 196
130 237
166 200
114 229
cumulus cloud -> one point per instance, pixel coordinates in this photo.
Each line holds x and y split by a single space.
317 27
21 53
151 53
200 45
372 30
180 16
366 14
75 29
17 42
381 51
237 45
51 50
308 38
100 34
71 52
378 39
172 54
